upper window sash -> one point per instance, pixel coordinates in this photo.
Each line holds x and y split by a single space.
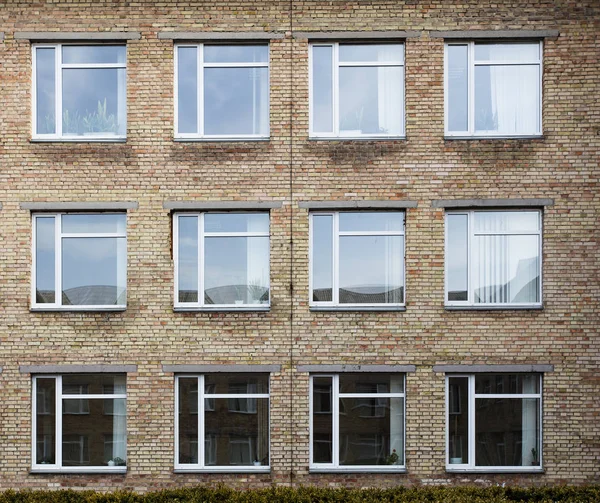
471 233
473 62
335 129
78 125
197 85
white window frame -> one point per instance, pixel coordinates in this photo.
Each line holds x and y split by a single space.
58 235
59 396
200 305
470 303
200 135
471 467
336 64
58 67
203 465
471 133
335 304
335 466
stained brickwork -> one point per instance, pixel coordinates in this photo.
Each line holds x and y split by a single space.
151 168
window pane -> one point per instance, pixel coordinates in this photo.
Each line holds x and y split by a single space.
237 437
90 54
187 90
372 52
236 383
507 432
94 384
371 431
45 84
236 101
236 53
44 260
371 383
507 383
458 88
94 271
236 270
507 221
322 420
188 420
45 418
322 258
371 100
322 89
507 99
506 269
371 269
93 101
458 420
94 223
457 257
507 52
236 222
187 247
372 221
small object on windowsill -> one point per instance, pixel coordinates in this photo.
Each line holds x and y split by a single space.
456 461
534 458
393 458
239 302
116 462
256 462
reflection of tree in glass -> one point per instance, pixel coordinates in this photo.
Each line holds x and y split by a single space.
98 121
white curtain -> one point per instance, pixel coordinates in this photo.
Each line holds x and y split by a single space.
390 94
530 446
397 418
119 423
257 259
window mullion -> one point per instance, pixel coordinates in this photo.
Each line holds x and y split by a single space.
472 421
336 89
58 88
471 87
58 417
200 80
201 259
336 259
58 260
201 439
470 244
335 406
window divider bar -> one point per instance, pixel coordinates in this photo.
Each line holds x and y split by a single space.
201 425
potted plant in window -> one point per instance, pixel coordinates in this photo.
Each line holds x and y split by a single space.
535 461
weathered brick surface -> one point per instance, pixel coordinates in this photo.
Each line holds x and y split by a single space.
151 168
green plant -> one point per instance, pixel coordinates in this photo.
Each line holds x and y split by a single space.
393 458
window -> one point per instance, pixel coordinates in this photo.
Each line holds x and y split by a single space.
356 90
222 91
493 258
493 89
72 432
80 261
357 422
225 257
79 92
494 422
233 421
357 259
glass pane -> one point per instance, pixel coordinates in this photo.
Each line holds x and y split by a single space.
322 420
507 432
236 101
45 416
92 54
188 420
506 269
371 269
371 383
457 254
392 53
507 99
94 271
44 260
371 100
322 89
94 384
236 222
91 224
322 258
93 101
372 221
507 383
507 52
45 90
371 431
458 88
236 270
188 259
187 90
236 53
458 420
235 437
236 383
92 437
507 221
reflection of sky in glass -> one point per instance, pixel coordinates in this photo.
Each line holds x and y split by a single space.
238 53
322 89
93 54
494 221
45 90
187 90
236 222
390 53
458 92
45 259
322 255
188 258
507 52
372 221
457 256
94 223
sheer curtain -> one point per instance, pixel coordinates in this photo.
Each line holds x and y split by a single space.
529 445
397 418
492 274
257 271
389 94
119 423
